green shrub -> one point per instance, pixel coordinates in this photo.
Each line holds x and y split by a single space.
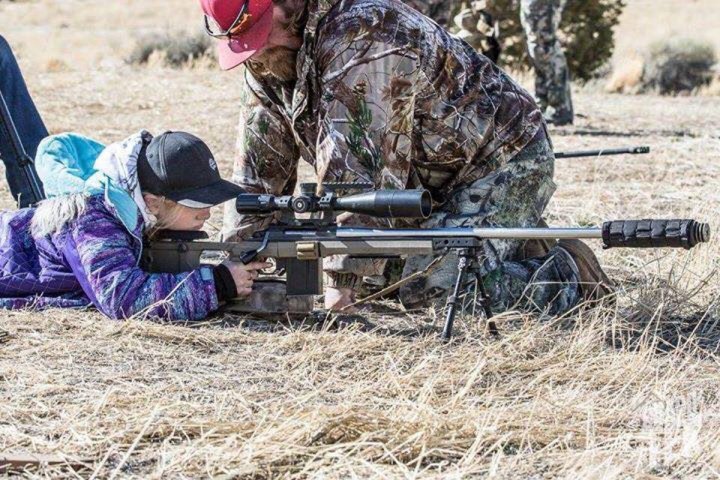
177 49
678 65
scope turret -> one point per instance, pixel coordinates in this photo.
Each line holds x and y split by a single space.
380 203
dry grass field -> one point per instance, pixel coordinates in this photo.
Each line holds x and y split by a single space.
628 390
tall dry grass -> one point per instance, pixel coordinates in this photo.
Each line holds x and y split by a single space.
628 390
607 393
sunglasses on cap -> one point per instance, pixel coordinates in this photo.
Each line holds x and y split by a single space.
238 25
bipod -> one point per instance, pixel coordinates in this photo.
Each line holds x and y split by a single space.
467 262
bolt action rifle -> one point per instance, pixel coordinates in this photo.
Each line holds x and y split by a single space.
298 245
19 157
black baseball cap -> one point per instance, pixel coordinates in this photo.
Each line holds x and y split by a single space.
181 167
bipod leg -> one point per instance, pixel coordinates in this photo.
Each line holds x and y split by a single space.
464 259
485 299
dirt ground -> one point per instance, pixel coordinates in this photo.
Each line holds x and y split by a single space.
626 390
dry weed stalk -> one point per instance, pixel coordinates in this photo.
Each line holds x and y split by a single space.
623 391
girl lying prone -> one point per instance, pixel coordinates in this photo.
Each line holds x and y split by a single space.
83 245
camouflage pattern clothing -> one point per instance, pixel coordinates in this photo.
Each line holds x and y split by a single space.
438 10
549 283
384 95
541 19
475 25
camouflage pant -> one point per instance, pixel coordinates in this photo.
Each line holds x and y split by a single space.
541 19
514 196
475 24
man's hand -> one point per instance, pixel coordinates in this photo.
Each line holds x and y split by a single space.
337 298
245 275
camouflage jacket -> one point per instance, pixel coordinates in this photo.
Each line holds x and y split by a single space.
383 95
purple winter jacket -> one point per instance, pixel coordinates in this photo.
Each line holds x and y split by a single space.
94 260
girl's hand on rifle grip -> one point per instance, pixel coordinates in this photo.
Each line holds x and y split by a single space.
245 275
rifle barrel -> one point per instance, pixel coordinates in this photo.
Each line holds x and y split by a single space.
645 233
461 232
604 152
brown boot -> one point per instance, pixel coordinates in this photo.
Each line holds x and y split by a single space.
594 283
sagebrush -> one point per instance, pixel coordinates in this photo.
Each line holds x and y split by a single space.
176 49
678 65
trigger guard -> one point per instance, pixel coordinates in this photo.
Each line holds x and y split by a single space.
273 268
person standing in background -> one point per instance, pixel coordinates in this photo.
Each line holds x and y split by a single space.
540 20
478 28
28 123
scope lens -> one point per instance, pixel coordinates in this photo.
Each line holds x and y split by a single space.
425 204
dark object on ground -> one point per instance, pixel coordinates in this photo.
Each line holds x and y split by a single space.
18 462
603 152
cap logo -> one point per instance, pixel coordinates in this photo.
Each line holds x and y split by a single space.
212 163
244 24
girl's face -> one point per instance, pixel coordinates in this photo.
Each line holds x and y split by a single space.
173 216
181 217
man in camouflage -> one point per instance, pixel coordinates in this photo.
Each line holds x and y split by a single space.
540 20
372 91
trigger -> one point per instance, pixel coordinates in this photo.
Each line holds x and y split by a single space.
248 257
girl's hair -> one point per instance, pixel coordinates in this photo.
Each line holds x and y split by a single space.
169 212
53 214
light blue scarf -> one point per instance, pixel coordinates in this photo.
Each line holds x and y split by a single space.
71 163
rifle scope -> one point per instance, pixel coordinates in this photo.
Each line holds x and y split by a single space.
380 203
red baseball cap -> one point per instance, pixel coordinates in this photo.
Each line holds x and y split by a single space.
242 27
